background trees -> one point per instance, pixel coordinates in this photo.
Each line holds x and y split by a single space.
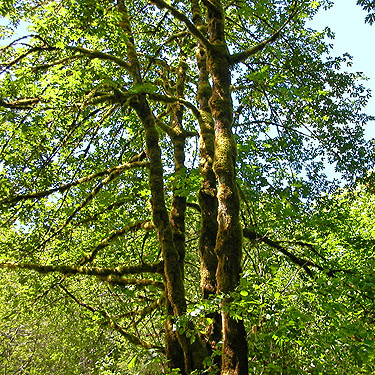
139 141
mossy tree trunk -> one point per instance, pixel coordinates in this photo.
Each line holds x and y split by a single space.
207 194
182 353
174 351
229 237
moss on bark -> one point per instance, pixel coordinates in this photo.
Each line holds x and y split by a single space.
229 237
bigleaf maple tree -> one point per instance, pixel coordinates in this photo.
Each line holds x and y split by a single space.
145 145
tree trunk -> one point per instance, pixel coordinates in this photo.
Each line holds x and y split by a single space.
207 193
174 351
229 237
193 352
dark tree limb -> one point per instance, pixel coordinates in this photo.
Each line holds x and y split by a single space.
57 62
94 192
93 54
118 280
99 213
25 103
23 55
171 99
144 312
304 263
241 56
306 244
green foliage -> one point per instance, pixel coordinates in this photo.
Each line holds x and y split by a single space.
67 121
301 325
369 6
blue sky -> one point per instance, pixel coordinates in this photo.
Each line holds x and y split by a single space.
346 20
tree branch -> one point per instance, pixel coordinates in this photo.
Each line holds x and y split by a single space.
304 263
94 192
57 62
171 99
144 312
62 188
101 272
125 333
241 56
23 55
97 214
26 103
118 280
93 54
161 4
166 128
131 338
308 245
146 225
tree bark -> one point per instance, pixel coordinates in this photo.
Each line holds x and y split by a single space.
193 352
207 192
174 351
229 236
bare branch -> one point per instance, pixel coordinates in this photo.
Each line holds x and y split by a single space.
56 62
131 338
23 55
306 244
79 302
241 56
15 41
304 263
92 54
